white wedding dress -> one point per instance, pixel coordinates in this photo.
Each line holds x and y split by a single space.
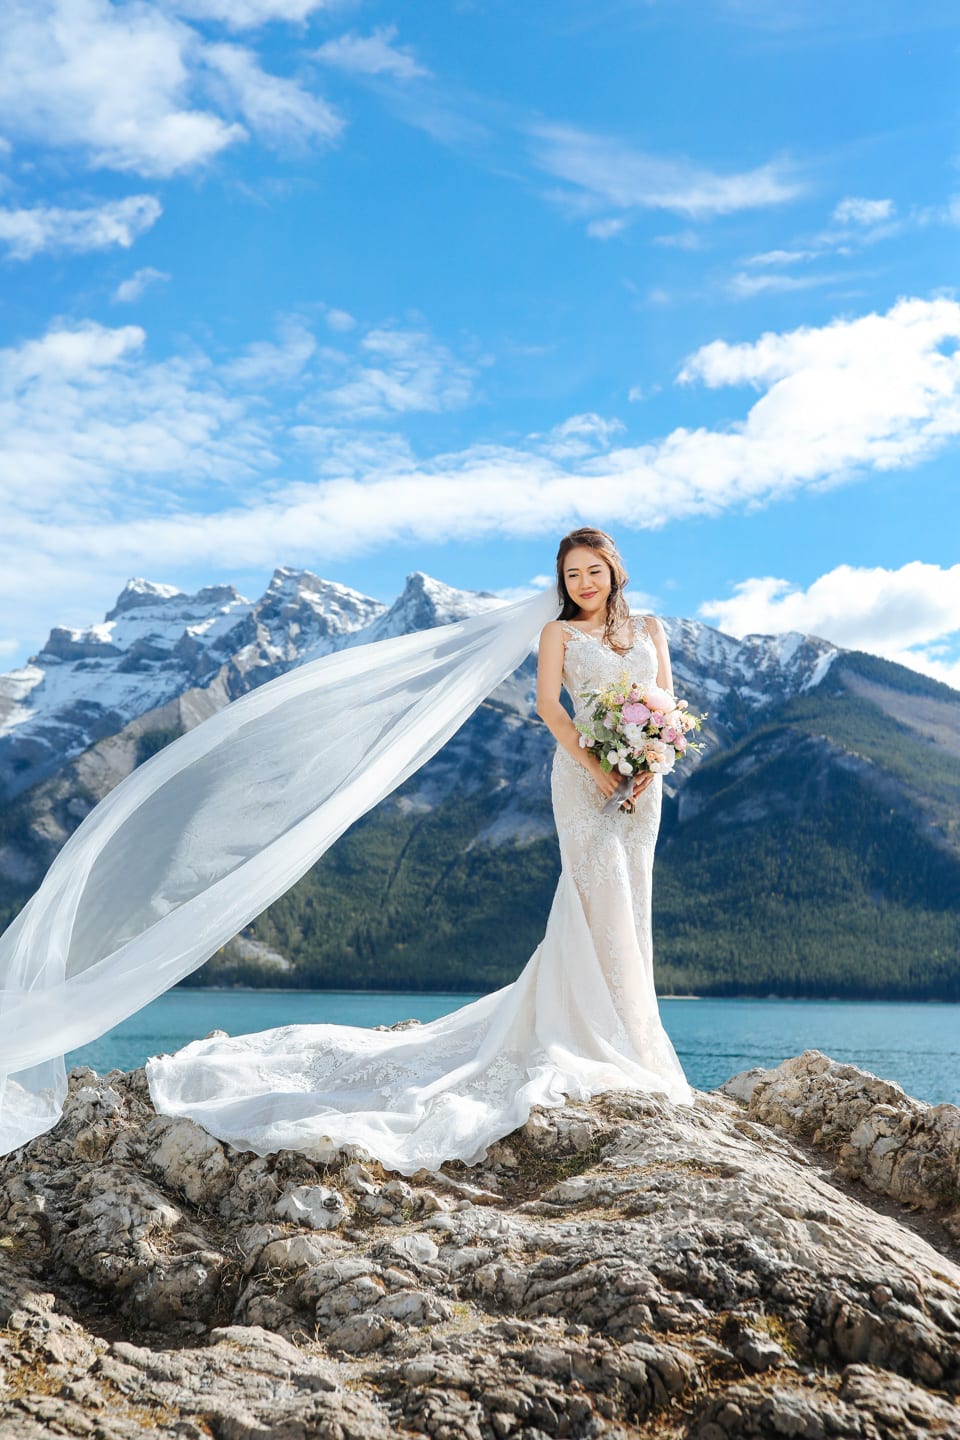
581 1018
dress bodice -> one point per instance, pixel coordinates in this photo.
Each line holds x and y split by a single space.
588 663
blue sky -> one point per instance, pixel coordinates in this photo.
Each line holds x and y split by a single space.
372 288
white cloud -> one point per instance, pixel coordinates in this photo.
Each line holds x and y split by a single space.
134 88
267 363
371 55
27 232
910 615
606 229
854 210
681 240
275 107
340 320
75 354
409 371
112 82
608 172
114 459
578 436
247 14
93 430
858 224
783 257
744 287
133 287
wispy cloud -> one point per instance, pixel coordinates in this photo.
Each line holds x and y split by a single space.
132 288
373 54
910 614
856 224
29 231
578 436
680 240
607 172
784 257
248 14
153 466
274 363
744 287
855 210
278 109
606 229
339 319
402 371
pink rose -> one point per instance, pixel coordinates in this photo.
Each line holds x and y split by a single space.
669 734
679 743
659 699
635 714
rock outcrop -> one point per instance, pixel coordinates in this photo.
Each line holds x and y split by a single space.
744 1267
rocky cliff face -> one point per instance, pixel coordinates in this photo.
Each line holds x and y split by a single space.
777 1260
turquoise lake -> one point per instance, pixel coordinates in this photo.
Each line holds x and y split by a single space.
917 1045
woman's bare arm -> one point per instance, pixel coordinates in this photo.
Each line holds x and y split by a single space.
552 713
659 637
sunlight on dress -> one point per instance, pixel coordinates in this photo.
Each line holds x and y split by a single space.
581 1018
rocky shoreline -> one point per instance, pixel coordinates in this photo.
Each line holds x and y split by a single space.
780 1259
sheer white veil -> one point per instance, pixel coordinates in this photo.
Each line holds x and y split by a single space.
197 841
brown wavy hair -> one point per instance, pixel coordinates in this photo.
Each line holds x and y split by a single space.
618 611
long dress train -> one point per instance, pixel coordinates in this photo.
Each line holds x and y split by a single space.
581 1018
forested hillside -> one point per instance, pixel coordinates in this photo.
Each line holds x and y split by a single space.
817 856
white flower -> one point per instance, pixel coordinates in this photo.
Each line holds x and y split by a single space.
634 734
613 757
625 768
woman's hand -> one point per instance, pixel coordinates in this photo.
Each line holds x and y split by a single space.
608 780
641 781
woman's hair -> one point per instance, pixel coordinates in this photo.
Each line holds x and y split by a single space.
618 611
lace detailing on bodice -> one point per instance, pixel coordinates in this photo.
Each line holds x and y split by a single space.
591 842
588 663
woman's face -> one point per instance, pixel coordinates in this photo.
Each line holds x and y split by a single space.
587 577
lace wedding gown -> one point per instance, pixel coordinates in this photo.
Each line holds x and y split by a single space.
581 1017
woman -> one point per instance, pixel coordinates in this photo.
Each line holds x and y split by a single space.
196 842
581 1018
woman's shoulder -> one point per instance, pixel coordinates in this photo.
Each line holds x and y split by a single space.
644 619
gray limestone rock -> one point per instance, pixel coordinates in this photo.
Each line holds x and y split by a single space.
743 1267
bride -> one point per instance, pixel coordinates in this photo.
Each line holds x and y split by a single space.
196 842
582 1016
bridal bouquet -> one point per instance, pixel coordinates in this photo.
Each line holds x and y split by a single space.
632 729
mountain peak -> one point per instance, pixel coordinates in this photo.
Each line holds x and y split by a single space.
138 592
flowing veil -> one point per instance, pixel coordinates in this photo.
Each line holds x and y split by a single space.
196 842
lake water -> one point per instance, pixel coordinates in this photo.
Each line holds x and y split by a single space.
917 1045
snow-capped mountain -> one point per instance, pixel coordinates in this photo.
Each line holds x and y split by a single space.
155 644
158 643
777 833
422 603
